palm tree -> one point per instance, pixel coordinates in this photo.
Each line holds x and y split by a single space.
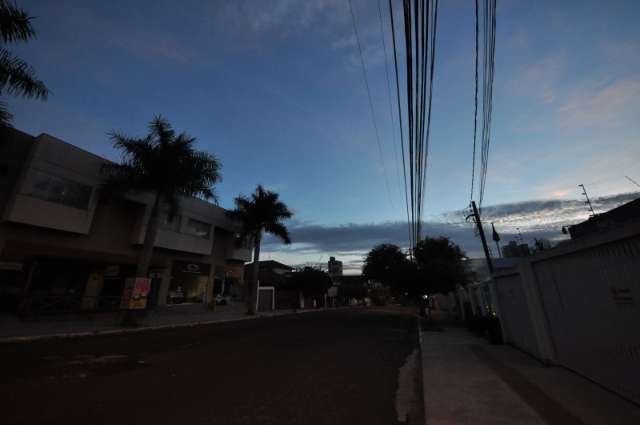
165 165
16 76
263 212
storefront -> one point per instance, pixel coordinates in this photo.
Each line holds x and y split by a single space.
189 283
12 277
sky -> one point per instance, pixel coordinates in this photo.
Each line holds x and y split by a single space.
275 89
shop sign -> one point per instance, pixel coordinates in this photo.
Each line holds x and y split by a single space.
192 268
234 273
136 291
156 274
111 271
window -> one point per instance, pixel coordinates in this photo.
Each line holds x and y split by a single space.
167 223
240 241
59 190
198 228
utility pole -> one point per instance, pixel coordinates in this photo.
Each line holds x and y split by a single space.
476 216
588 201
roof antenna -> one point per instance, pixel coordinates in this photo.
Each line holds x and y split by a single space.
588 201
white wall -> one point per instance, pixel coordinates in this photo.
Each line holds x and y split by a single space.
579 306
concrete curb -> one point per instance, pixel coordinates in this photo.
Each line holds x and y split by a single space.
421 370
119 331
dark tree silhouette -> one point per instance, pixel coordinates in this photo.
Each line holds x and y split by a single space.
386 264
440 265
311 282
165 165
262 212
16 76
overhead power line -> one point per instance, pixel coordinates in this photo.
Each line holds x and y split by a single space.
632 180
401 127
420 25
403 182
487 94
386 72
373 114
488 29
475 108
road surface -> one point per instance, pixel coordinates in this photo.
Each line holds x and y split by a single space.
338 367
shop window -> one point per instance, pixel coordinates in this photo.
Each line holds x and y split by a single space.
59 190
198 228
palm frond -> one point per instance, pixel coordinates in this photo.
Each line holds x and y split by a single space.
18 78
15 23
136 152
281 211
262 212
119 179
279 230
160 128
166 163
5 116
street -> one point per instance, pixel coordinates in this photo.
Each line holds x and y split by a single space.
338 367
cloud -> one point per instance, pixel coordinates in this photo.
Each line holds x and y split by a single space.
149 41
552 214
259 17
535 219
607 106
625 52
539 80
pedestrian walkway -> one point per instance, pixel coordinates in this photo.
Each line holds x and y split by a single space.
14 329
468 381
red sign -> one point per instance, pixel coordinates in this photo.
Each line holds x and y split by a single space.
134 296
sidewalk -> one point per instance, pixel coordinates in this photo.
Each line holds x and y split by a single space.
13 329
468 381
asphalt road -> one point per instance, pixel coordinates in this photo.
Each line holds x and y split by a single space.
338 367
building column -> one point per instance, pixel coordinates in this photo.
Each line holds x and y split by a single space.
2 239
209 297
165 283
92 290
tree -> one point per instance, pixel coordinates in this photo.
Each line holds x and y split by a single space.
260 213
440 265
311 282
386 264
16 76
166 166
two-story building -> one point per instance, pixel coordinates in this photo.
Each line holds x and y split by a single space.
65 247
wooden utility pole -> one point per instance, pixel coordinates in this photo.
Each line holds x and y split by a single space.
476 216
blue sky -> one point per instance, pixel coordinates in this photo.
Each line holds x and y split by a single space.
275 90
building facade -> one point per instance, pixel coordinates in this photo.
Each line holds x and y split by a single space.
615 218
334 267
514 249
66 247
